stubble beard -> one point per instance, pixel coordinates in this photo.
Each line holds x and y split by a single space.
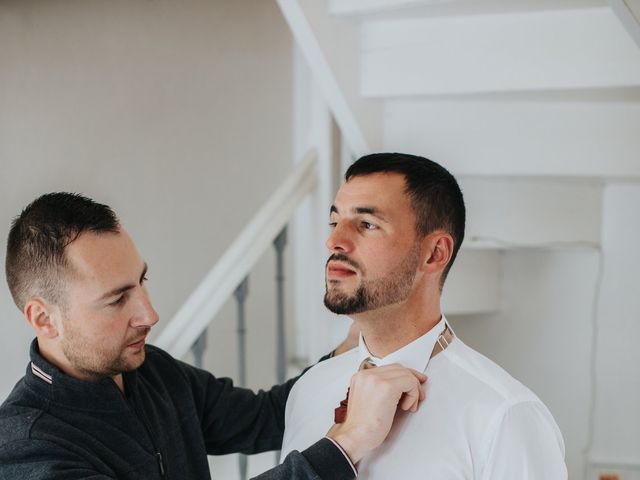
373 294
97 362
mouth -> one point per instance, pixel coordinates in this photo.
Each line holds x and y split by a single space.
138 344
339 271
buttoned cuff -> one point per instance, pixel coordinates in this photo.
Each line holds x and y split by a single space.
330 461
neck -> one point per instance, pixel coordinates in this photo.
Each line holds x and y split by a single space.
56 357
119 382
390 328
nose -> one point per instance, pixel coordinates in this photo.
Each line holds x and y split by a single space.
340 238
145 315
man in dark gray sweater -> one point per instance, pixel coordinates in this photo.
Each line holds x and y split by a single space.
97 403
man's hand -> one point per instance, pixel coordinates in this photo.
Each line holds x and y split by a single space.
374 396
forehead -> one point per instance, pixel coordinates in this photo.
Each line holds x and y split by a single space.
104 259
385 191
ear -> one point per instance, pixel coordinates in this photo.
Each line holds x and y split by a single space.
42 316
438 248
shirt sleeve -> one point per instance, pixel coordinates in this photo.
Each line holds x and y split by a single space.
323 460
526 444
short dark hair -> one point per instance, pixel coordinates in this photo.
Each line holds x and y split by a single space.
435 195
36 261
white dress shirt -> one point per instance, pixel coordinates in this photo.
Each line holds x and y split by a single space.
476 422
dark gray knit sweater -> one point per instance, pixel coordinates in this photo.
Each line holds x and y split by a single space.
55 427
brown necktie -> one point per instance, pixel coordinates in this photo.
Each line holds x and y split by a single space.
445 338
340 413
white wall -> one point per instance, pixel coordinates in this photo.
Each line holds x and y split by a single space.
177 114
544 336
617 412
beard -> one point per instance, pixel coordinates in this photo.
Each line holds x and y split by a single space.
97 361
393 288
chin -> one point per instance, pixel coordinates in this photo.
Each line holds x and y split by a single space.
133 362
139 360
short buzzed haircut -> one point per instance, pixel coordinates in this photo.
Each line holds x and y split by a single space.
36 263
435 195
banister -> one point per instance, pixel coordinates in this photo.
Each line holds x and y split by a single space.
238 260
324 76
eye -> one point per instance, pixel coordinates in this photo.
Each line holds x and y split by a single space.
119 301
333 224
368 226
143 279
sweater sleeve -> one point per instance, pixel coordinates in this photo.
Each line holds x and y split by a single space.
235 419
43 460
321 461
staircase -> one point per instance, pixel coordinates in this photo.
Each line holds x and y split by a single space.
534 105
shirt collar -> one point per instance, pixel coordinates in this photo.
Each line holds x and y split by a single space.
54 385
413 355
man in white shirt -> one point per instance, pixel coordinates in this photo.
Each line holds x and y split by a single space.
397 224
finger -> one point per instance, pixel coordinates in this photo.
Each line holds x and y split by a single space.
406 402
419 375
410 404
421 397
410 398
393 379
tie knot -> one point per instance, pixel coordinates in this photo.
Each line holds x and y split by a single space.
340 413
366 364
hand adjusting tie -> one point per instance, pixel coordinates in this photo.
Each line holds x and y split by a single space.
444 340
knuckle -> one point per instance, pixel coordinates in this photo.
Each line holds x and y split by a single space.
386 387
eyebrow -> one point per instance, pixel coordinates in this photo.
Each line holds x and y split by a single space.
362 211
124 288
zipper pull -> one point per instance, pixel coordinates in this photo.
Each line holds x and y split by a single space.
160 464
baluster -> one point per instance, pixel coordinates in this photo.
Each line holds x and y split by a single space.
279 244
198 348
281 363
241 293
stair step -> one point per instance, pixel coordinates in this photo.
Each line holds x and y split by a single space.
520 212
367 9
489 137
534 51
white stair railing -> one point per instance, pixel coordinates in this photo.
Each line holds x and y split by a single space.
232 269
